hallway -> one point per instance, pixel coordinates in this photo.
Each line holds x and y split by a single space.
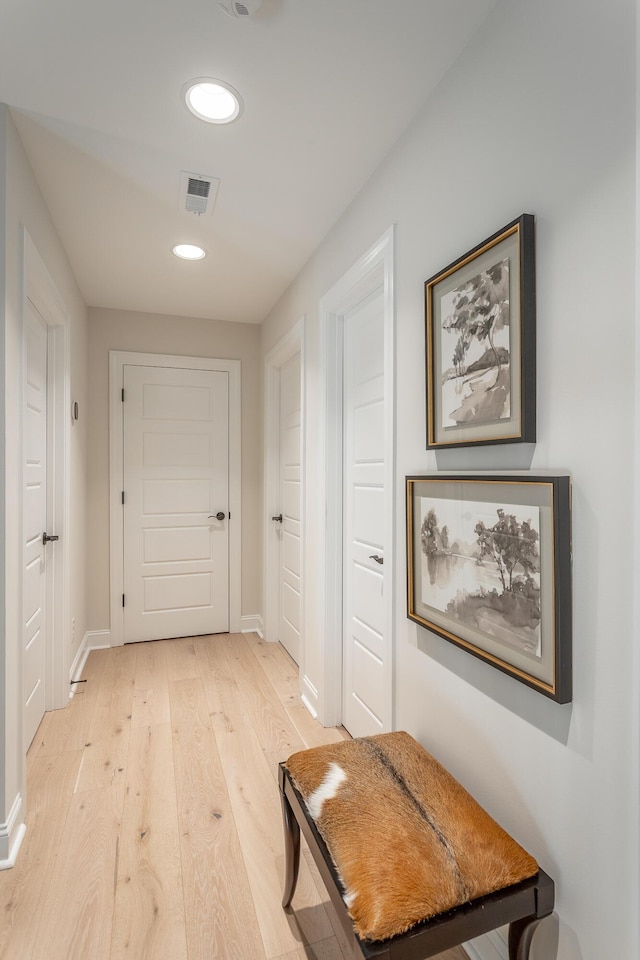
154 828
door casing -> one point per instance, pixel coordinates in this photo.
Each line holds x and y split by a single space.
374 267
117 360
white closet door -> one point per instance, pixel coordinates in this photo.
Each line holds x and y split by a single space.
290 503
364 511
176 479
35 522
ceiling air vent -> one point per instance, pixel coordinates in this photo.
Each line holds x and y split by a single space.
240 8
197 193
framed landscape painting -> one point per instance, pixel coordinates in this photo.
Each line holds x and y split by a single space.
481 343
489 568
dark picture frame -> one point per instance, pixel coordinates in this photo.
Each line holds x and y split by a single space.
489 569
480 317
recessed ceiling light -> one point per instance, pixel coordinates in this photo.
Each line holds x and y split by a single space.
189 251
212 100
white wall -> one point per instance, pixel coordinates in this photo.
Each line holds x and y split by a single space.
537 116
25 207
184 336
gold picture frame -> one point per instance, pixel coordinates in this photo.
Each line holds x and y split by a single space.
489 569
480 315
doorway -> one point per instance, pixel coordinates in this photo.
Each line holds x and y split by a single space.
174 459
357 493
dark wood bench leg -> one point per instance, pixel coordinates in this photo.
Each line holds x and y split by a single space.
520 935
291 850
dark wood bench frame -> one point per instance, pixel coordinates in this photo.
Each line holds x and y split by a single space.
522 906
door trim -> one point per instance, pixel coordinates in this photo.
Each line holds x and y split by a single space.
41 290
373 269
117 360
286 348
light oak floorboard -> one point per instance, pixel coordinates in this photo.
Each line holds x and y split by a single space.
283 673
181 658
151 686
106 744
22 890
217 898
153 819
226 706
278 666
78 911
324 950
67 729
309 730
114 700
270 721
256 809
149 921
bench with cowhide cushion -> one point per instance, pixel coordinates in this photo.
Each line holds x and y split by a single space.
411 862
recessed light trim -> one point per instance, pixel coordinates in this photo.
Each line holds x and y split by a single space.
211 100
188 251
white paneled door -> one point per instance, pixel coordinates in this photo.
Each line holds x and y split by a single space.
34 522
176 496
290 503
364 511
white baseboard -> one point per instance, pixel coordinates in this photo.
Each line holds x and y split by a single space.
252 624
492 946
309 696
97 639
92 640
11 835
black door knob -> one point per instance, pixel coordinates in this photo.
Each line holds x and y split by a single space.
278 519
46 538
217 516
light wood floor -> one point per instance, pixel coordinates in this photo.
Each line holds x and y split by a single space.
154 827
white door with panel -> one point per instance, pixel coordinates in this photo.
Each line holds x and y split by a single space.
364 510
290 468
35 521
175 509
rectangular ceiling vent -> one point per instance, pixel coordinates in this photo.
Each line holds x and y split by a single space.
197 193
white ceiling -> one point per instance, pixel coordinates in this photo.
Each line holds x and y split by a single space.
328 86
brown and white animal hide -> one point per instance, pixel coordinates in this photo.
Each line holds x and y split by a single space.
406 838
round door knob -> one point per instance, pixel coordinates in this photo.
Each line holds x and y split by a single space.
217 516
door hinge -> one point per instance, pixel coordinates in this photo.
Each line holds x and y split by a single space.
123 599
123 394
123 496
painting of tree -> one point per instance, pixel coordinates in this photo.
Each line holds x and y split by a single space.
475 348
509 544
481 566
